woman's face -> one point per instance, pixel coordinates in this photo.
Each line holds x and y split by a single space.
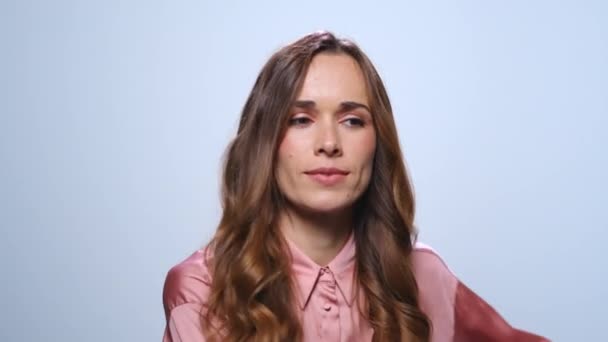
326 156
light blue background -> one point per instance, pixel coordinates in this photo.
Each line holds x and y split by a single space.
115 114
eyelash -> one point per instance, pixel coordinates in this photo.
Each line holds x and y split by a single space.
356 122
300 121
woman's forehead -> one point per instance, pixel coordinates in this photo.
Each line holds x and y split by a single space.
333 79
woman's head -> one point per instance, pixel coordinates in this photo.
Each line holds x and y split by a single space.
316 132
306 100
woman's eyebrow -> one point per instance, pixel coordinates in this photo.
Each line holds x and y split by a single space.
305 104
345 106
350 105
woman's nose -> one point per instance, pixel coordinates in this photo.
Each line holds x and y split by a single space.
328 141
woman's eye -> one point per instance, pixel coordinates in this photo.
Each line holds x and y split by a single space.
299 121
355 122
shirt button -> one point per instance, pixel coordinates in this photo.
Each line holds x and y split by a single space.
327 307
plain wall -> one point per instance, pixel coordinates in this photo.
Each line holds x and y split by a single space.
114 116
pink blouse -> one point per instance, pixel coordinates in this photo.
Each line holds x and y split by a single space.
326 300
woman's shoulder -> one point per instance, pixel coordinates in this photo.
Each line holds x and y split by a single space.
436 282
188 281
437 286
428 262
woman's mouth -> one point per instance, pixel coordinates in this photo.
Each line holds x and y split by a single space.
327 176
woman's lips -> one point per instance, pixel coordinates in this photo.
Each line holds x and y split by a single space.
328 177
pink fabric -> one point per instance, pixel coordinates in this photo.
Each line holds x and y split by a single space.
326 300
478 321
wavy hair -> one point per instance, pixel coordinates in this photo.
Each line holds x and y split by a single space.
252 295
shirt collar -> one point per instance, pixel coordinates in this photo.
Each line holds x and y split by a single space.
307 272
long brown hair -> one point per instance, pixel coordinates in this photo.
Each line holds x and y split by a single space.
251 294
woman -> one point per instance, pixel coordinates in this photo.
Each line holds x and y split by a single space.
317 239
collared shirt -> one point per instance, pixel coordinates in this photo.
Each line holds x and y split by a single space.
328 307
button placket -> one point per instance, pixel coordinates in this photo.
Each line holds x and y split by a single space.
327 304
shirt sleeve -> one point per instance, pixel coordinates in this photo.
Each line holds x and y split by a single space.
456 312
184 324
476 320
185 293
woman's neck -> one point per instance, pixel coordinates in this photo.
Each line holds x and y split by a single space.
320 236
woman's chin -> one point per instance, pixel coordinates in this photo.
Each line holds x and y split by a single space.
326 207
322 203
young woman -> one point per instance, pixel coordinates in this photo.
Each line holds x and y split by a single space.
317 239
